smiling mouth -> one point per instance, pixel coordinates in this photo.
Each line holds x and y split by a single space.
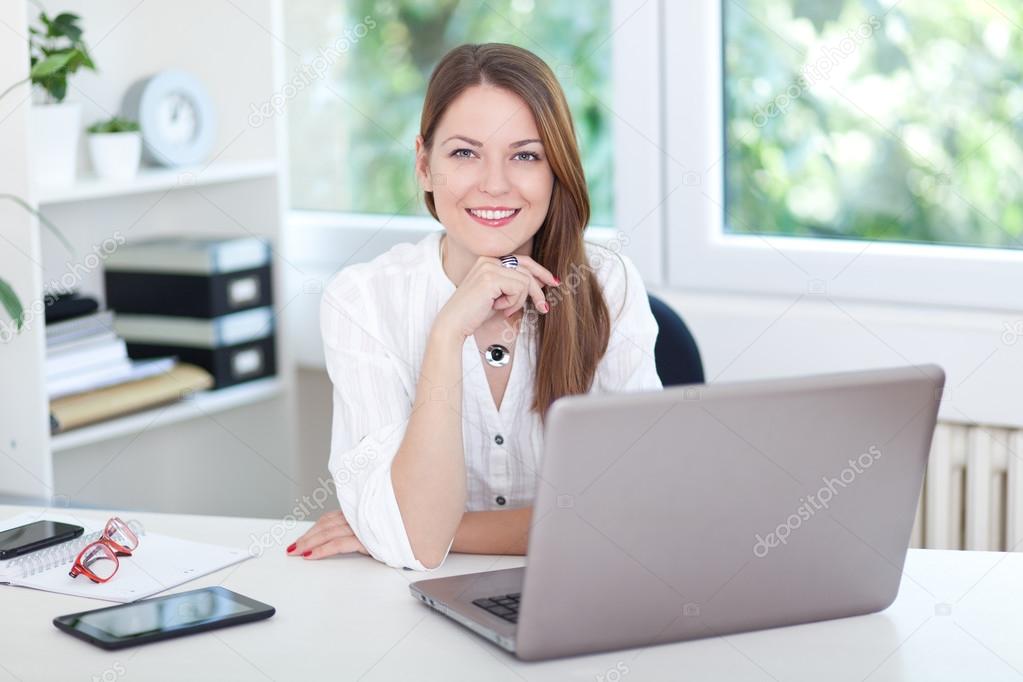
493 217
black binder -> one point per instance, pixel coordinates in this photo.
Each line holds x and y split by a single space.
229 365
188 295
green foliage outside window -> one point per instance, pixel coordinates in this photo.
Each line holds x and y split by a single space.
875 120
352 131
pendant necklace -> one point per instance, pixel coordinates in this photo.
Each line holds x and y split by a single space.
496 355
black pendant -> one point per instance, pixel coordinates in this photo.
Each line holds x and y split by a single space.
497 355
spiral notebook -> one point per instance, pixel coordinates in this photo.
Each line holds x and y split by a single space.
160 562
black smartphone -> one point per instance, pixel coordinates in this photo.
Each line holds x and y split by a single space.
37 535
152 620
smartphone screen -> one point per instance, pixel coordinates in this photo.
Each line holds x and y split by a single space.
34 536
160 615
163 617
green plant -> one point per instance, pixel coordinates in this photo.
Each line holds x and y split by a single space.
114 125
56 51
11 303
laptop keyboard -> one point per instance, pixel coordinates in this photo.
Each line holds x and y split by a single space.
504 605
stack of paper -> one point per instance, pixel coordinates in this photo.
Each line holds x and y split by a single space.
124 398
84 353
90 377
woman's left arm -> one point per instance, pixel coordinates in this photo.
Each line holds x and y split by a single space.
505 531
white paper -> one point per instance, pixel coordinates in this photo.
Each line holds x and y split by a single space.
159 563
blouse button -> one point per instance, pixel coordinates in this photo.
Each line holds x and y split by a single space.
500 500
499 439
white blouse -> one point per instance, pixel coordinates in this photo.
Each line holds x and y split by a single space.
375 318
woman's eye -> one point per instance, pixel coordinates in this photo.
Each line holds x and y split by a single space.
462 153
527 156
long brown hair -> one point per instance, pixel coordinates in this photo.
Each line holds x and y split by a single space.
573 337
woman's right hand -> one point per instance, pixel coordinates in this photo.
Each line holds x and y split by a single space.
330 535
490 286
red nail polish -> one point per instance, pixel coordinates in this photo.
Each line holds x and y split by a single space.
291 547
557 281
307 552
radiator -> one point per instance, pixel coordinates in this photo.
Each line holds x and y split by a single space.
973 494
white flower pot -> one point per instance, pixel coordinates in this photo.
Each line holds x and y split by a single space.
55 131
115 155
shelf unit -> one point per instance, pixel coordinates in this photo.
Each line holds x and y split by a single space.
202 403
150 179
153 179
182 456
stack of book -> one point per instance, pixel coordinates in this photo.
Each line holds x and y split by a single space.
206 301
90 378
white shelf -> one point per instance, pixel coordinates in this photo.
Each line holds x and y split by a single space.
150 179
200 404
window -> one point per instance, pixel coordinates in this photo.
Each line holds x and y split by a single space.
904 191
874 119
359 69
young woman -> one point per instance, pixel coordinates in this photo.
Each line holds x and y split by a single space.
446 354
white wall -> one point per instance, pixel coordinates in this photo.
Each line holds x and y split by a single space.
756 336
24 466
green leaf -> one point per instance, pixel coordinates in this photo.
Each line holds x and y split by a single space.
12 304
52 64
57 87
65 25
114 125
80 59
86 58
71 32
77 59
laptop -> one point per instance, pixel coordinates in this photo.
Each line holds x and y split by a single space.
705 510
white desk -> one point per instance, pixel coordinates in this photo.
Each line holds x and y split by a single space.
959 616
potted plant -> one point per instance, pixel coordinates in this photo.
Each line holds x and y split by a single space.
115 146
56 51
50 72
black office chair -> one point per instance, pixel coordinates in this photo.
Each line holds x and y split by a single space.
675 352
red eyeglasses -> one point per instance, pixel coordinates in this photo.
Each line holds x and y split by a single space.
98 560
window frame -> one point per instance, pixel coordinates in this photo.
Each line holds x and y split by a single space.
702 256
